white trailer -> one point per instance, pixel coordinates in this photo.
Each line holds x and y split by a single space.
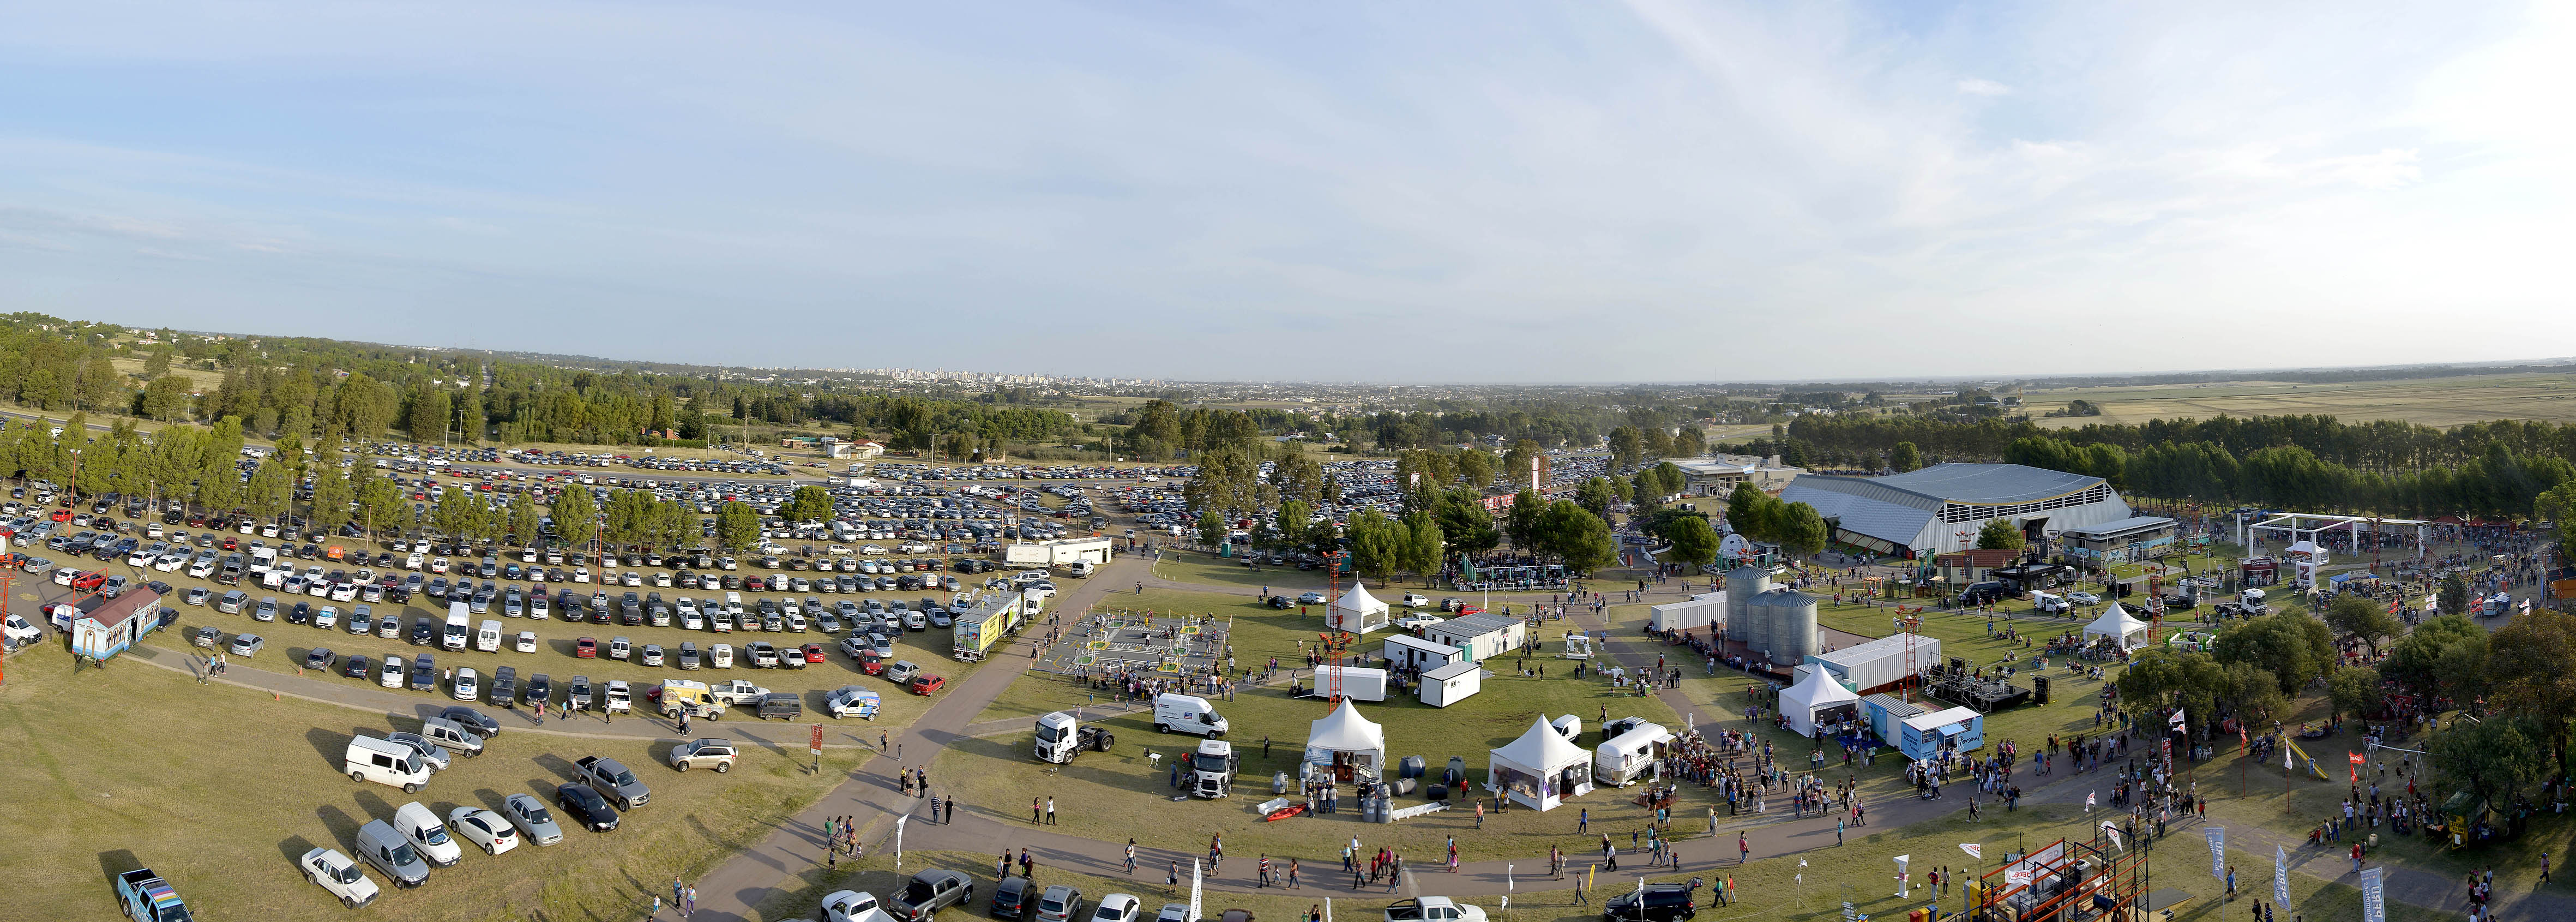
1452 683
1698 611
1355 682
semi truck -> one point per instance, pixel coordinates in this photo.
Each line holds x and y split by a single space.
1060 738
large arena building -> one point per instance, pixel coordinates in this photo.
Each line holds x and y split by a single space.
1940 508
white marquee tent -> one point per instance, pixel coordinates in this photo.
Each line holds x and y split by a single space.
2116 623
1541 769
1357 612
1351 745
1816 691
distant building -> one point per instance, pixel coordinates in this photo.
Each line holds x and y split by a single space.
1960 568
1717 475
103 627
2142 538
1942 507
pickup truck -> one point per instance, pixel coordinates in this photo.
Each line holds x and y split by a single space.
148 898
712 753
736 691
1432 909
612 780
927 892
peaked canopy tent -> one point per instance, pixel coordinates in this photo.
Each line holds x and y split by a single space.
2115 623
1816 693
1349 746
1540 769
1357 612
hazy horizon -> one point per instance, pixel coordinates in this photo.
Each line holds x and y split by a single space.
1658 191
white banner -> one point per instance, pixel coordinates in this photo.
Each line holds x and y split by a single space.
1900 875
898 841
2217 851
2281 877
1194 890
2374 899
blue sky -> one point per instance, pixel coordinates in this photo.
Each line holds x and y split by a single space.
1491 191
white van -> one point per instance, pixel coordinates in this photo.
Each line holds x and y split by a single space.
733 604
487 637
460 620
1187 714
1080 568
2049 604
386 762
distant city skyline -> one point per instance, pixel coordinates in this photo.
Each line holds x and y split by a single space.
1653 191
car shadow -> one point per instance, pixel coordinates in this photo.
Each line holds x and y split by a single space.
332 745
344 828
294 847
562 767
117 861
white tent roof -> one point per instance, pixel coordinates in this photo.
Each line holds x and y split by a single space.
1541 751
1816 691
1359 600
2115 622
1344 730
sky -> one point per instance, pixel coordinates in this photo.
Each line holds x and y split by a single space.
1503 191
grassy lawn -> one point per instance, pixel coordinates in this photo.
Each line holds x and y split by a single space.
221 791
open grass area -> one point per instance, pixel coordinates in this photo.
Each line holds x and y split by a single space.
2430 401
221 790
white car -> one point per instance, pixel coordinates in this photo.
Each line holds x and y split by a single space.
486 829
326 618
19 631
1117 907
1416 599
428 836
853 906
336 873
467 685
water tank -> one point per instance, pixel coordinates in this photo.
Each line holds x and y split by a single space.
1742 584
1409 767
1793 626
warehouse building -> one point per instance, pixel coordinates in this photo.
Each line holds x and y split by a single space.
1940 508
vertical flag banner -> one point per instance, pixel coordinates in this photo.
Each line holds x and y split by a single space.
898 841
2217 851
2374 897
1900 875
2281 877
1194 890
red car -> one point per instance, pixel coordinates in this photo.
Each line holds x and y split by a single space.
62 515
813 653
870 663
586 648
924 685
89 581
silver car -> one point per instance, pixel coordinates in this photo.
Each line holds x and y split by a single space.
532 819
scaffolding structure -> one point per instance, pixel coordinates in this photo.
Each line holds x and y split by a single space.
2105 878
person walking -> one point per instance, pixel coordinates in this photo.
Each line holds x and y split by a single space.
1838 830
1583 820
1035 813
1292 873
656 911
1174 880
1050 811
1131 857
934 808
1743 849
689 902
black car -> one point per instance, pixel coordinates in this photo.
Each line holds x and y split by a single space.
1657 903
302 613
423 633
540 689
504 689
482 724
586 806
1280 601
1012 897
357 667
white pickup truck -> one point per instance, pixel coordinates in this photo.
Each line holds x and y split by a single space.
1432 909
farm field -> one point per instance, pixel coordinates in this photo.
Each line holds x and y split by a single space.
2430 401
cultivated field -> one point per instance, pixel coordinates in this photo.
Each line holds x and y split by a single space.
2430 401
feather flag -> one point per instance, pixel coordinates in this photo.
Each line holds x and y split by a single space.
2177 721
1973 849
2114 833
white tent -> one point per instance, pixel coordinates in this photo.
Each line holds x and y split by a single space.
1541 769
1357 612
2116 623
1816 691
1352 745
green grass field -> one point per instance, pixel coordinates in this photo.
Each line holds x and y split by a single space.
2431 401
221 790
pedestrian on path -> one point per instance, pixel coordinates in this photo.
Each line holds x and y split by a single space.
1583 820
1838 830
1131 857
1743 849
1292 873
689 903
656 911
1050 811
1034 812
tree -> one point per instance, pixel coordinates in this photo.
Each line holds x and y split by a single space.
1750 511
2532 663
576 514
1693 541
1521 522
2415 660
737 526
1691 443
2496 758
2293 647
2453 596
380 503
2254 694
1596 496
1211 528
1377 544
332 497
2000 535
427 420
2557 505
2363 620
165 399
2354 691
2161 679
1905 457
1290 526
1803 531
810 504
1466 525
1517 463
1475 468
1577 537
525 522
1627 447
269 490
1424 546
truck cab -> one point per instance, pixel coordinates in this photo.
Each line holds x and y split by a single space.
147 898
1212 769
1060 738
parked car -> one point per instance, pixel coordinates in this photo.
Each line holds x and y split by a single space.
586 807
1059 903
339 876
612 779
427 835
529 815
928 892
715 753
487 830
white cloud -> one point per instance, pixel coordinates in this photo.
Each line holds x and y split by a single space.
1979 86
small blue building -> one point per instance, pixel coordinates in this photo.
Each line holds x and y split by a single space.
1886 716
1928 735
103 627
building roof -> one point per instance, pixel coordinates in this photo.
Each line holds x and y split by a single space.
2118 527
1970 483
113 612
1476 625
1890 704
1859 505
1451 671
